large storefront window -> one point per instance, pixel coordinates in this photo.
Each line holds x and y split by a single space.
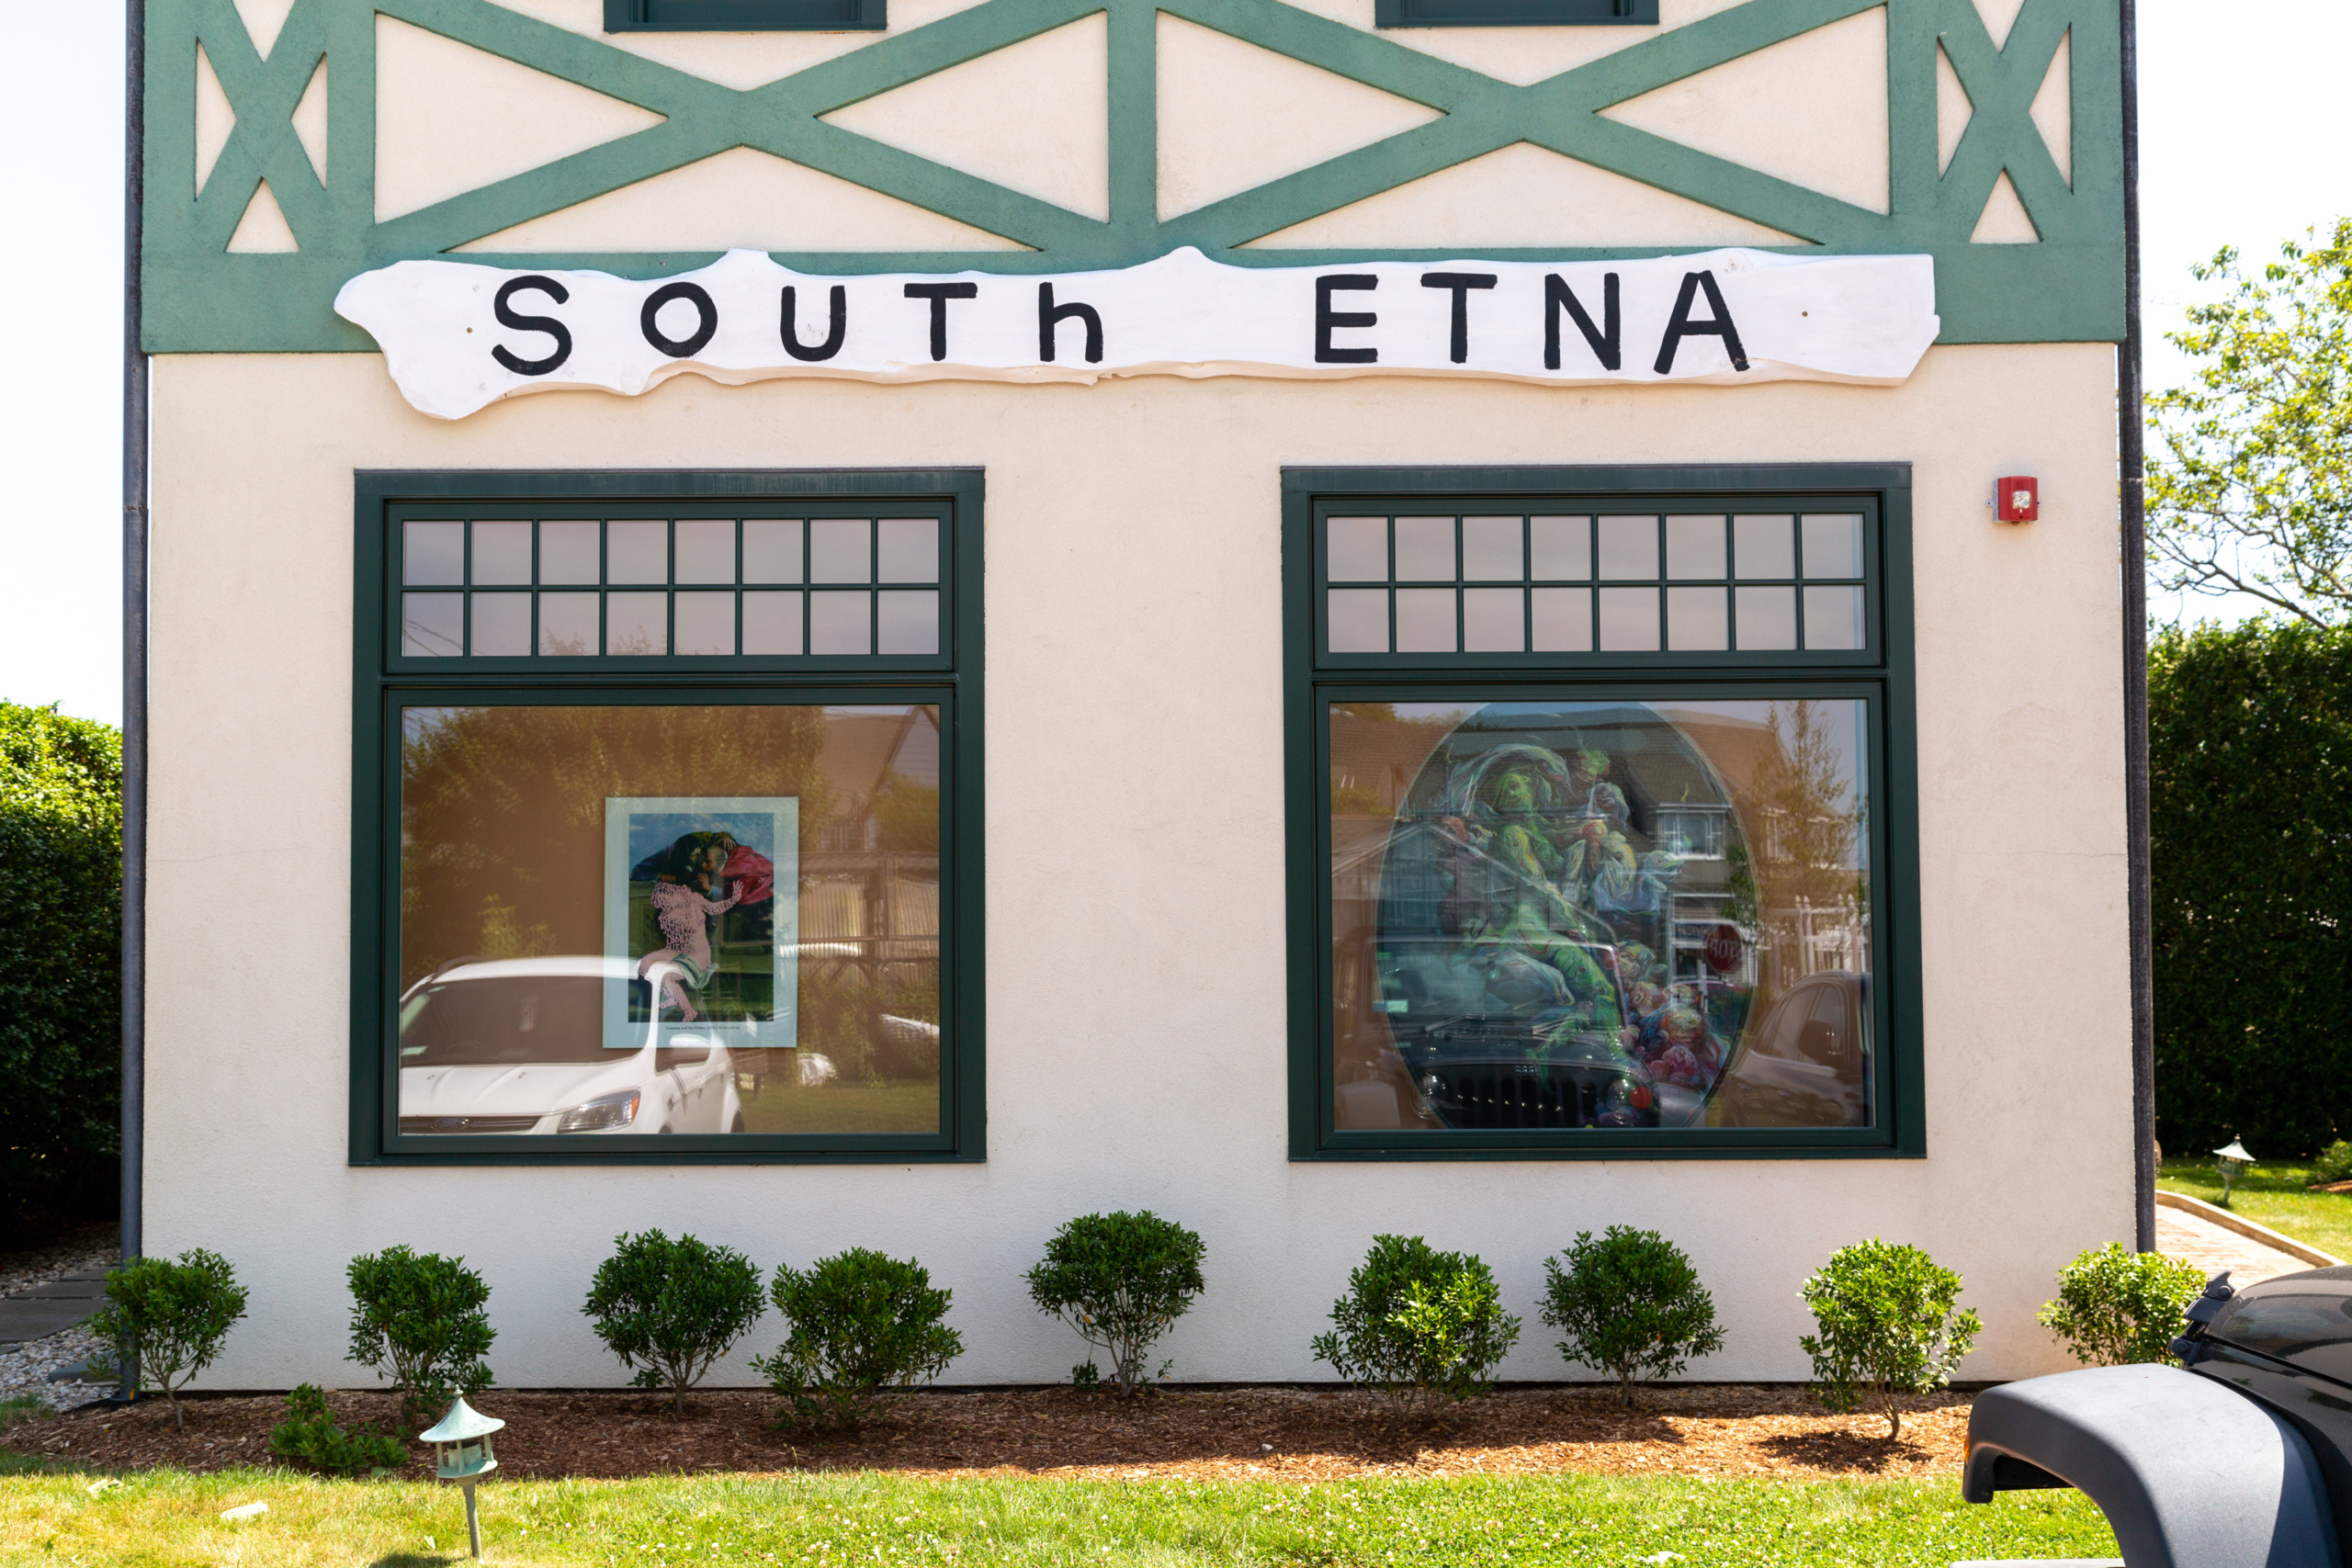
1606 792
717 914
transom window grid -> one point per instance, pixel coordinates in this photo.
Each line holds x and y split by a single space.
779 588
1514 12
1597 580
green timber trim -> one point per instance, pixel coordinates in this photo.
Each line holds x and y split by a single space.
1886 680
199 299
378 691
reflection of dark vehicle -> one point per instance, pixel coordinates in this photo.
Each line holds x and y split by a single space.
2243 1459
1807 1063
1591 1088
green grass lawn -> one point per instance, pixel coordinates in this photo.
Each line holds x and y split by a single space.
2271 1195
859 1521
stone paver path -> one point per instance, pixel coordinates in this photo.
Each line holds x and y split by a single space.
46 1308
2212 1248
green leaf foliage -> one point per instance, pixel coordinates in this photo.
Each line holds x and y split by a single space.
420 1319
165 1319
1421 1326
671 1309
2334 1164
2115 1306
61 973
1631 1304
2249 479
1890 1324
861 1328
1121 1281
311 1435
2250 811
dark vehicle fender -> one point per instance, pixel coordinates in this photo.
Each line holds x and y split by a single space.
2189 1472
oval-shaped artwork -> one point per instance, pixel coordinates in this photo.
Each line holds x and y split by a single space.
1550 884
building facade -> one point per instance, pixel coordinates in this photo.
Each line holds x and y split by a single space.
1334 618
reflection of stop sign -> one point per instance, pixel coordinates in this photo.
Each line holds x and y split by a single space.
1724 948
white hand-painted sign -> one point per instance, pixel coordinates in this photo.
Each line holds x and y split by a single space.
457 336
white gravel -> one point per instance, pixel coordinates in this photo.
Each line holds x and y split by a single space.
26 1369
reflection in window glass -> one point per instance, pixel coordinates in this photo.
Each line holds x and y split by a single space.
1425 620
1492 551
568 625
1768 617
771 550
841 549
1606 914
432 554
502 626
1359 620
1833 546
568 552
1494 620
908 550
637 552
1694 547
639 920
1562 620
772 623
502 554
1425 550
1628 547
705 623
1832 617
433 626
1629 620
636 624
1764 546
706 548
1562 548
1695 620
841 623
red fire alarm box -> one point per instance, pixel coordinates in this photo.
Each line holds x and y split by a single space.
2017 498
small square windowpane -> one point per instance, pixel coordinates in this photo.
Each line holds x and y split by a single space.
1628 548
1833 546
567 625
1563 548
706 551
908 549
637 552
1694 547
705 623
433 553
502 554
501 626
1491 551
1764 546
771 550
1768 617
1832 617
1494 620
772 624
1356 550
1424 552
1358 620
1563 619
907 621
1425 620
841 623
568 554
433 626
636 624
1695 619
1629 618
841 549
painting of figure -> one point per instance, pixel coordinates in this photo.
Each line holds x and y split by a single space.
701 898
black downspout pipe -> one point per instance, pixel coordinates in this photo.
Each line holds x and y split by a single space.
134 631
2131 460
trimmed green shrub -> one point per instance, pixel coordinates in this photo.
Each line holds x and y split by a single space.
671 1309
2115 1306
1888 1326
2334 1164
2250 806
1421 1327
1630 1304
419 1319
165 1320
310 1435
862 1330
60 975
1121 1281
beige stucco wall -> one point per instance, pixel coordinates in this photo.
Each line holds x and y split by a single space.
1134 831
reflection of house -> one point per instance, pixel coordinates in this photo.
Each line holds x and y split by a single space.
858 888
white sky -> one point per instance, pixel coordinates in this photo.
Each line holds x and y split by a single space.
2240 145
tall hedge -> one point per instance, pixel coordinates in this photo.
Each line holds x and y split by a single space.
2250 745
61 965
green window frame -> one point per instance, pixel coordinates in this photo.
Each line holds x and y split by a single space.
1510 12
390 671
1877 673
752 15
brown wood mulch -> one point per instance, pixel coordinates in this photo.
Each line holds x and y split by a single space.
1267 1434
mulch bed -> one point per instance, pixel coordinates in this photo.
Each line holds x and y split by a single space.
1267 1434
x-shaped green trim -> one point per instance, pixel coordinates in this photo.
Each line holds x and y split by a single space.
201 299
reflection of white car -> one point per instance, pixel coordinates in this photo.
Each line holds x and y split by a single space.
517 1046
